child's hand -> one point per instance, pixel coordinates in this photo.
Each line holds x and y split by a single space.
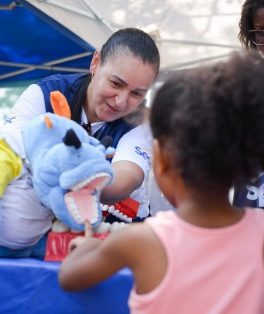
88 233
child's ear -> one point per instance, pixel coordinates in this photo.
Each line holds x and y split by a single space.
161 160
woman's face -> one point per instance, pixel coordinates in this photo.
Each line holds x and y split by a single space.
258 25
118 86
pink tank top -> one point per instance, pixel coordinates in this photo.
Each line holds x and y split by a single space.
210 271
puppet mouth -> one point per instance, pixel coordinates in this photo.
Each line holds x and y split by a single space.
83 201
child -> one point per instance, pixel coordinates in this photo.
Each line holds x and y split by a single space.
207 257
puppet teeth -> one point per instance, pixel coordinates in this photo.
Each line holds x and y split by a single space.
74 211
83 183
77 217
104 182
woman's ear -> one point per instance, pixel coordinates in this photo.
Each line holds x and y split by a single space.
95 62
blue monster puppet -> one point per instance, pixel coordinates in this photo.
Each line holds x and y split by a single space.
69 167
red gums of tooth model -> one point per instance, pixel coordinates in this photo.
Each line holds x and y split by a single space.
58 243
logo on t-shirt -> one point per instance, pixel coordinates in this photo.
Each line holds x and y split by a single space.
9 119
140 152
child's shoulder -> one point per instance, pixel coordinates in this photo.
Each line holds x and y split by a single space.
256 214
162 217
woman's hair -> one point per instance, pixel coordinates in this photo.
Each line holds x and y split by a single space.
211 122
79 97
249 9
134 41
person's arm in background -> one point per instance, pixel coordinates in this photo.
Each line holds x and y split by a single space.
131 164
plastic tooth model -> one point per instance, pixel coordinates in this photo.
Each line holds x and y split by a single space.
125 210
61 235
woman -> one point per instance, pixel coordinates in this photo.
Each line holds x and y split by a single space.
251 35
251 25
120 75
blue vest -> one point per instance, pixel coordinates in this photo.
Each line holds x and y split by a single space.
69 84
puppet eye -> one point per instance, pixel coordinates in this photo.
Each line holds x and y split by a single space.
48 122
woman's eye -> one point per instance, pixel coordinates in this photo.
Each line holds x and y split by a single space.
137 94
115 84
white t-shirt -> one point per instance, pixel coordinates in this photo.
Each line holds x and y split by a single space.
135 146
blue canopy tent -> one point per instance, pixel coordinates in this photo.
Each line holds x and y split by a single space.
34 45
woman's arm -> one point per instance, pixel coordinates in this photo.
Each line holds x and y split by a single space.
131 163
127 178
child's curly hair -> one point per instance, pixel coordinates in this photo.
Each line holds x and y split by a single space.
211 121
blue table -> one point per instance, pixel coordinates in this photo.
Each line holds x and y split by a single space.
30 286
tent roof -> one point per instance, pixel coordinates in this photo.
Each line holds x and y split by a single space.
187 32
34 45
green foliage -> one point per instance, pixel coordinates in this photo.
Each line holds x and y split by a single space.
8 96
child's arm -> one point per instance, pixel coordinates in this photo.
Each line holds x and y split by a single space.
94 260
91 260
10 165
88 233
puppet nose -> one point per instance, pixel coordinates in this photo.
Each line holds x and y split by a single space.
71 139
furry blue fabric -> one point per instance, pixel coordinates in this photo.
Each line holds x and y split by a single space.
67 165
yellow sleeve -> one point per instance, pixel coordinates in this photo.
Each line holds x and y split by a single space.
10 165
